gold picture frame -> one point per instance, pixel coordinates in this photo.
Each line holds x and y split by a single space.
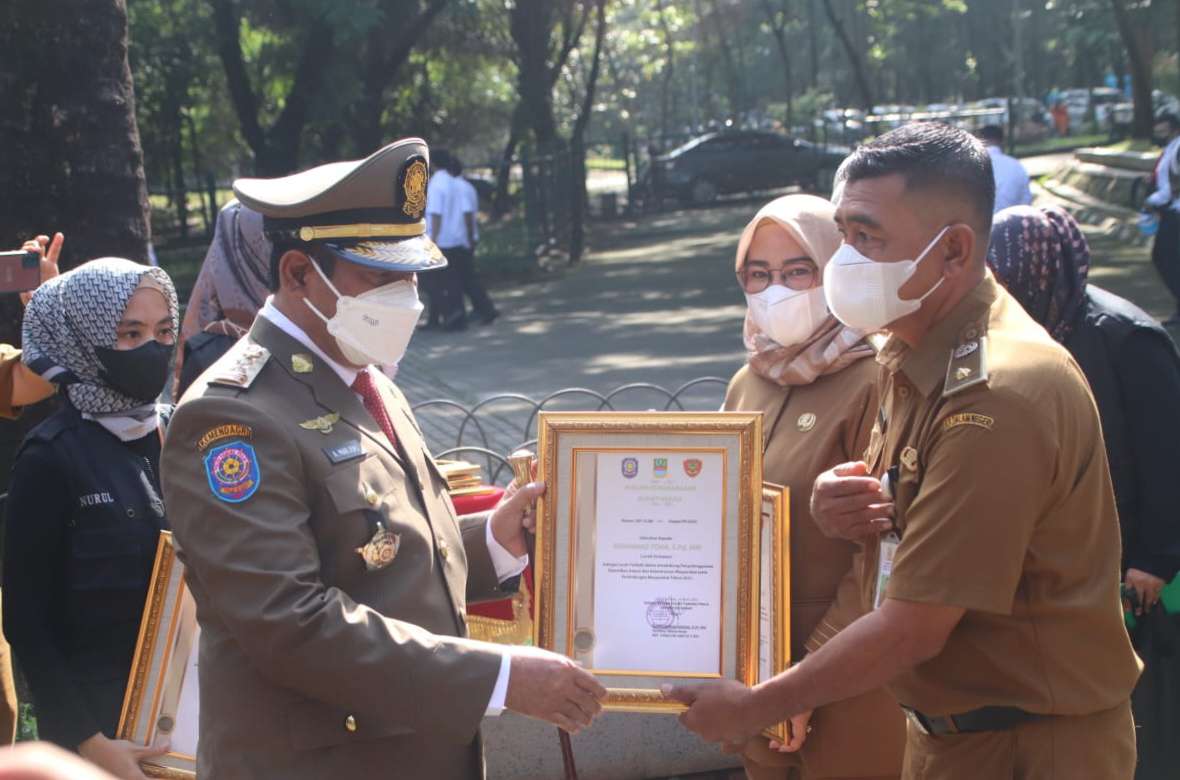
774 592
586 461
161 702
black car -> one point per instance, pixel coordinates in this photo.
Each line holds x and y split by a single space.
740 161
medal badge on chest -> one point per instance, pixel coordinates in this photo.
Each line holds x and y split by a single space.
381 549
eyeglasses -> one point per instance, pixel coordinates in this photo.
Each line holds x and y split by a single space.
755 279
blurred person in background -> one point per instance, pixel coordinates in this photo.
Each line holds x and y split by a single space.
1011 178
1133 369
230 289
84 512
1165 200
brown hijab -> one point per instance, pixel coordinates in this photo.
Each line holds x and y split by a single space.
832 347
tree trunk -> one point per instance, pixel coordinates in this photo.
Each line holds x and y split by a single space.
778 27
813 43
667 94
531 25
854 58
276 149
578 140
500 202
388 49
72 157
1137 41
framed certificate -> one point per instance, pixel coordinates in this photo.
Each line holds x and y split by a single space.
774 590
647 548
162 699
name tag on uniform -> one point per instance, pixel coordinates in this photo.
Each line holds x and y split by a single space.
343 452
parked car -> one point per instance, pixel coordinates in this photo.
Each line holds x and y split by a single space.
740 161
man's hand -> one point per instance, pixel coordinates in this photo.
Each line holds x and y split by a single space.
551 687
515 515
799 727
1147 587
721 711
847 503
49 252
119 757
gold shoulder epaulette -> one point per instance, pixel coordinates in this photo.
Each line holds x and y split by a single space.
967 366
241 365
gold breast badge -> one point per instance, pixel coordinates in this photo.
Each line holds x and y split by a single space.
322 424
381 549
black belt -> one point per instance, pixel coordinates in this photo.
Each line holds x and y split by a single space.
982 719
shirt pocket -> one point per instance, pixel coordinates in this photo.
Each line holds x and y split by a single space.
106 558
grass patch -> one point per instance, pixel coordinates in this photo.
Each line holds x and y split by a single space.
1133 145
182 263
605 164
1062 144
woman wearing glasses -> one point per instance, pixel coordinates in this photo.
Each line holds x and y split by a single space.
815 382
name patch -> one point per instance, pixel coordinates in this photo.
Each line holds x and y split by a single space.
233 471
95 499
968 418
227 431
348 451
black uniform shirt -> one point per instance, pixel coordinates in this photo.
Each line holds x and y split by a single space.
82 523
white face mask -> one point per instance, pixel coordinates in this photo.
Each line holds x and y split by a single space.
863 294
375 326
788 316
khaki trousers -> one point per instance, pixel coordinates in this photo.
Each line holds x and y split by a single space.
1065 747
8 707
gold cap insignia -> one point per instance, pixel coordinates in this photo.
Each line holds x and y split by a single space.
909 459
414 187
301 363
322 424
806 422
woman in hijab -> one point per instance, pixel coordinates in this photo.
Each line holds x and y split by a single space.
84 512
230 289
1133 368
815 382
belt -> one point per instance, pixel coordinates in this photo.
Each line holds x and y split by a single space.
982 719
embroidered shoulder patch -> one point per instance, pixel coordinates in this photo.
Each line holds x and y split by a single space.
233 471
968 418
227 431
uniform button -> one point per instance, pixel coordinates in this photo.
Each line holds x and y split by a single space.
443 550
350 724
971 333
131 513
904 392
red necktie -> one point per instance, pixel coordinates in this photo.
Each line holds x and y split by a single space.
364 386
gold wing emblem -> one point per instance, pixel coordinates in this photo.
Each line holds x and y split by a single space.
415 190
322 424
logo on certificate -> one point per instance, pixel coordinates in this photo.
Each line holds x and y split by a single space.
660 467
630 467
692 467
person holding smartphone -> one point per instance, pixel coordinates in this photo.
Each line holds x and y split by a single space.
18 385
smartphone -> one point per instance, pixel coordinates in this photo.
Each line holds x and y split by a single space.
20 271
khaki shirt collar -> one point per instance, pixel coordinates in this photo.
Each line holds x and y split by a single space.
925 365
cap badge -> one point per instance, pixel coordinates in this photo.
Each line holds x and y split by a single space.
414 186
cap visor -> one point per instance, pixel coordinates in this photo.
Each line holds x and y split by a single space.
412 254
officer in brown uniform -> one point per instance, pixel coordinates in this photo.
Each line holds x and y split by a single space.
986 505
330 574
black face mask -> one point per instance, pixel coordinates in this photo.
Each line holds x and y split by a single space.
140 373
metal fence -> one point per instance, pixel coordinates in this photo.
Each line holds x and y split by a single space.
489 431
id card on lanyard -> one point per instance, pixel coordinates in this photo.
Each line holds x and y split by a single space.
887 547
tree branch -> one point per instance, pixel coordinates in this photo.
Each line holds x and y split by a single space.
226 23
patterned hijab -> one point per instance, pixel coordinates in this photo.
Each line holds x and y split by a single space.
833 347
72 314
1043 259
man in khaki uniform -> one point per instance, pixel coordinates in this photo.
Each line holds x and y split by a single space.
330 574
986 505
